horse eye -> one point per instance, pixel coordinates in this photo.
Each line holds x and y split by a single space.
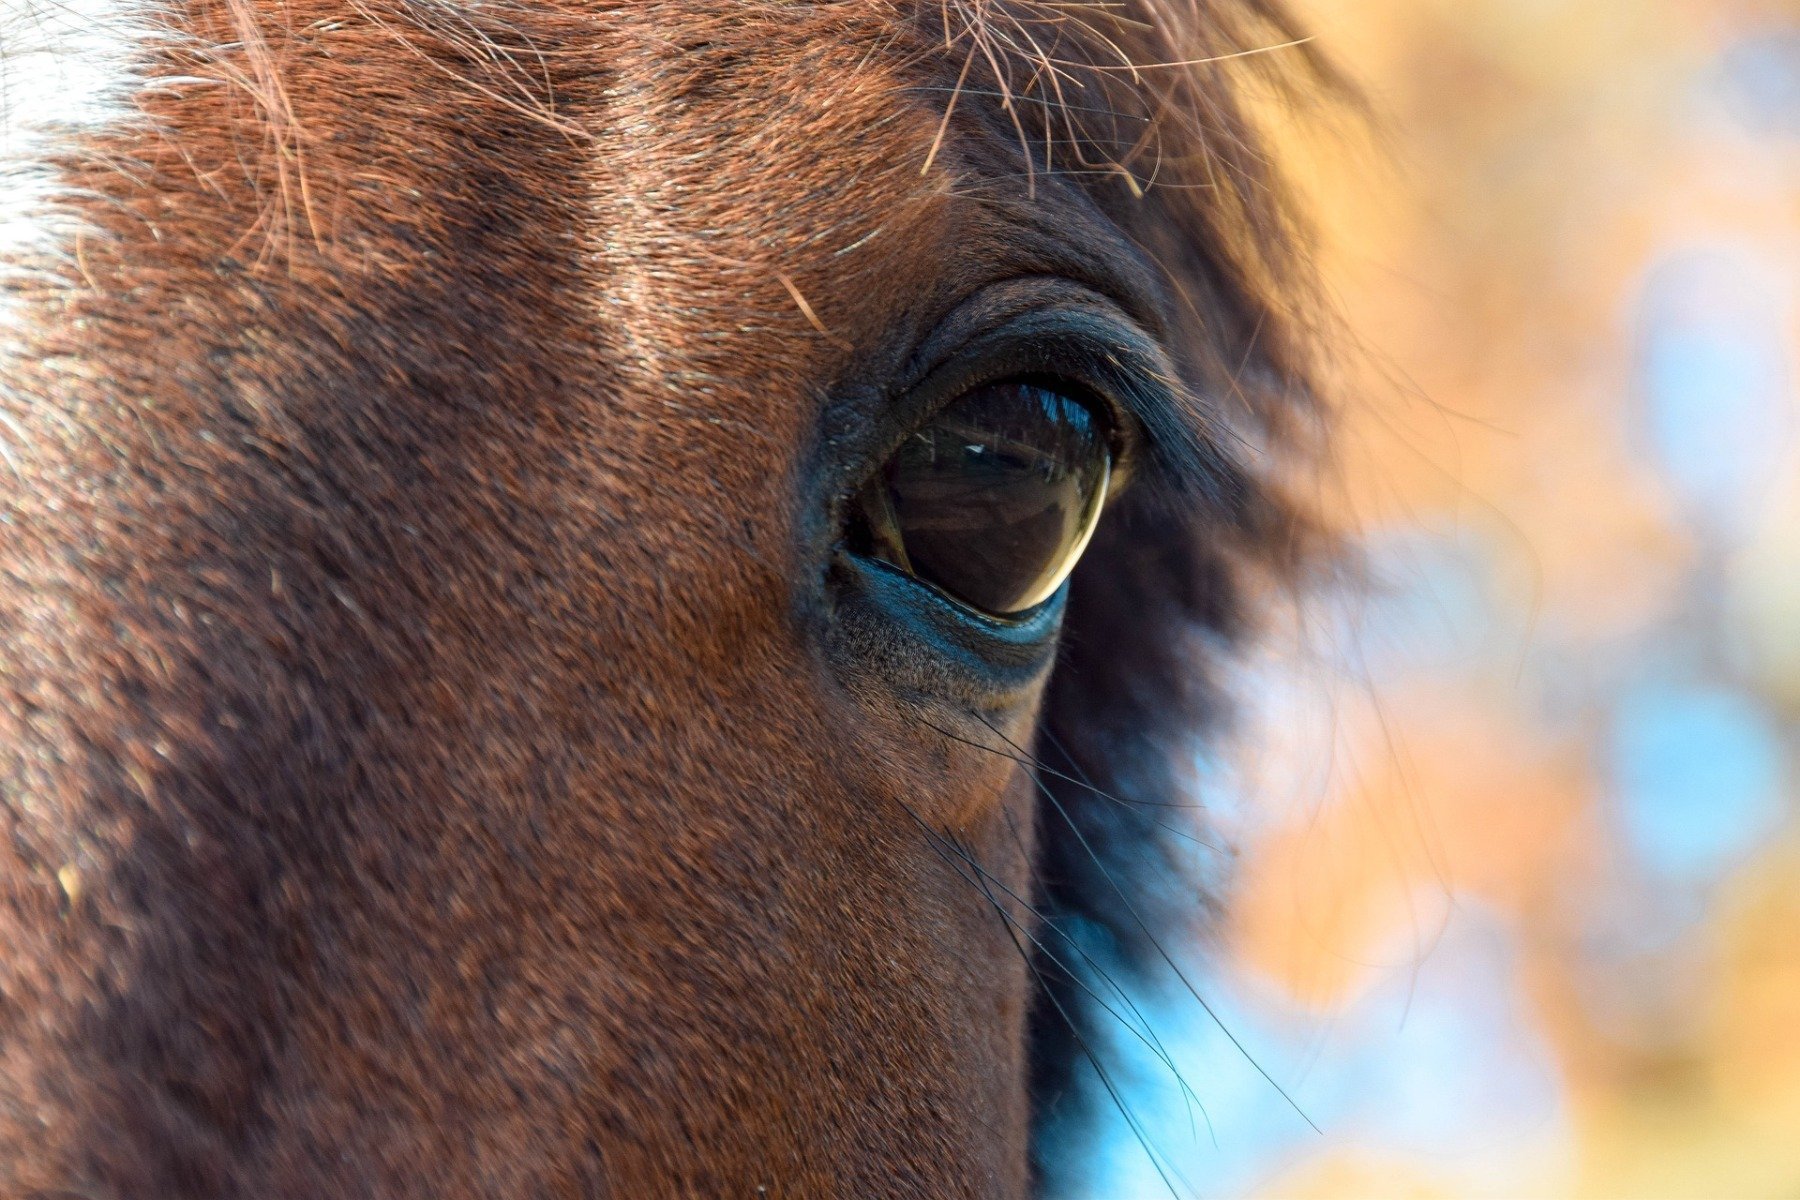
994 500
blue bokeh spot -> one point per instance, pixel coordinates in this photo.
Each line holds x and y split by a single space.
1698 772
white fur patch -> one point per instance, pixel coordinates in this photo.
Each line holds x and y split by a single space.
67 69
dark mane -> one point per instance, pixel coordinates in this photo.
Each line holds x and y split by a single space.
1143 105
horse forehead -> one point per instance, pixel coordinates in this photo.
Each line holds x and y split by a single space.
771 163
691 88
724 143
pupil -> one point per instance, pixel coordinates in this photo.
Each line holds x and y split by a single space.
994 500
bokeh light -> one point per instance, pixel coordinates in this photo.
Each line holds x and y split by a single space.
1515 905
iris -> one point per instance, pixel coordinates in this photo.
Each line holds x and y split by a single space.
994 499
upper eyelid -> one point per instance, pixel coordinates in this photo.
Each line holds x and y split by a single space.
1063 355
1045 326
1178 443
1087 342
1129 437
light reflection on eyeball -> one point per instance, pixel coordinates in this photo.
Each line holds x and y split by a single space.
992 501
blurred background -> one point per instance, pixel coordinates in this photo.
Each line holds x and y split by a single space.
1514 831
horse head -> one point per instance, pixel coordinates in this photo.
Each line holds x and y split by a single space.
608 597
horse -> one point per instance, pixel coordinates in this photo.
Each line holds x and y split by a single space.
616 597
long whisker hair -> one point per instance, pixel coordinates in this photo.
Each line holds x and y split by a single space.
1075 974
1035 956
1159 111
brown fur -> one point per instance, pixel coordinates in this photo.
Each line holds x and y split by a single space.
426 766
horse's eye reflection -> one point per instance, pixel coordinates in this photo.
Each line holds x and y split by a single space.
994 500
